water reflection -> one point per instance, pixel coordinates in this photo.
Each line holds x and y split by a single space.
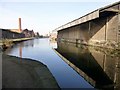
20 50
40 50
98 68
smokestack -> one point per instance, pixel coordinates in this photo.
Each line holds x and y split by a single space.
20 25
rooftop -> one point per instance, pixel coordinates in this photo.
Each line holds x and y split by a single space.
112 8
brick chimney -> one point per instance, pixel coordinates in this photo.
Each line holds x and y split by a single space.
19 25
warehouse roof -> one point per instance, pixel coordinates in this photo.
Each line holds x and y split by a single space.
113 8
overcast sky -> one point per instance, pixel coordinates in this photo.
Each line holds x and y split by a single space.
43 16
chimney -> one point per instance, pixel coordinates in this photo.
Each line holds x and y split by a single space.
20 25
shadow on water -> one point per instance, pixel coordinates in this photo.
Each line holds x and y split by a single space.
40 50
98 68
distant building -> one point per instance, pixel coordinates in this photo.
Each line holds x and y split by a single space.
53 36
19 30
8 34
28 33
15 30
16 33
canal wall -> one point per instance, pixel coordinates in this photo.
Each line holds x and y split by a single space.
6 43
98 28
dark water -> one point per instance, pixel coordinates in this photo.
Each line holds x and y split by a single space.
100 67
83 67
41 50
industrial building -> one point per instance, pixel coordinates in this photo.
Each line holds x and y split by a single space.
98 28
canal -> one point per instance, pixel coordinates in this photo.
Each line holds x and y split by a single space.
73 66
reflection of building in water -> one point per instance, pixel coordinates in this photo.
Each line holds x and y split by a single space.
20 50
110 65
28 43
53 43
99 69
25 44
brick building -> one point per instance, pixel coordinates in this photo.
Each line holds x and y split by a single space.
28 33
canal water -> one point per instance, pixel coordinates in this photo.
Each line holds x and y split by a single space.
73 66
41 50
